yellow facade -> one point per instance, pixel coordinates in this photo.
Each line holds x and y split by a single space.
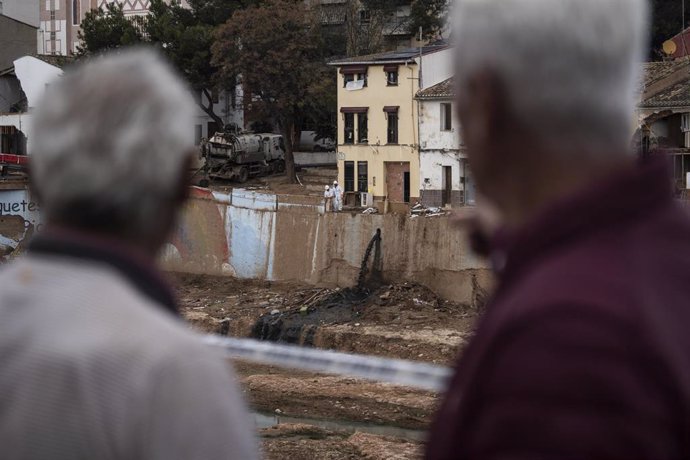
377 152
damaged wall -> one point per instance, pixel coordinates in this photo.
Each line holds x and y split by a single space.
289 238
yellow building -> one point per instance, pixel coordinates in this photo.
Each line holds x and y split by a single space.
378 125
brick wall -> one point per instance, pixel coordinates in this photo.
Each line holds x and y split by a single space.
433 198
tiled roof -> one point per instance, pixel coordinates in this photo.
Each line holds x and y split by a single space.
443 90
398 56
677 95
652 72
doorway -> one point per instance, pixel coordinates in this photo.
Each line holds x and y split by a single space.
398 182
447 185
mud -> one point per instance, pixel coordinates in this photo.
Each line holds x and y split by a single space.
400 320
307 442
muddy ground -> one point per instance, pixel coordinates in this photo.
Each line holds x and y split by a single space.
401 320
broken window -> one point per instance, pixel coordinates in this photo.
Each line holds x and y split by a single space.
362 176
446 117
349 128
349 176
362 128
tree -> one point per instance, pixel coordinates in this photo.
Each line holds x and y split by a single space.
105 29
430 15
276 48
184 35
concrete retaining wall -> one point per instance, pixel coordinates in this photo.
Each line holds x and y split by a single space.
289 238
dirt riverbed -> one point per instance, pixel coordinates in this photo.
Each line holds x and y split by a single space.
402 320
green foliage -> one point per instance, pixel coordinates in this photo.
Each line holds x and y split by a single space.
430 15
277 48
105 29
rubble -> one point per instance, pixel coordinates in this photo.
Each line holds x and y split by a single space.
420 210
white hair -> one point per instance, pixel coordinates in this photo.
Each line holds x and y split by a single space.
569 67
110 140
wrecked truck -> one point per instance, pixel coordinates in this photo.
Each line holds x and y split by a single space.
241 156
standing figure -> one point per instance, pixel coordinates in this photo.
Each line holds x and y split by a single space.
328 199
337 197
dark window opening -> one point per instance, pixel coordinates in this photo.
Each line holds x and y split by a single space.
364 16
406 186
392 78
349 128
348 77
75 12
362 176
392 128
446 117
349 176
362 128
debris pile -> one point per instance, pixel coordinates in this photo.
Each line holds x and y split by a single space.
401 303
420 210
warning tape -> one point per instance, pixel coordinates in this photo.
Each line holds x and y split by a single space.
397 371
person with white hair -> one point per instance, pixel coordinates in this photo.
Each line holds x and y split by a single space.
337 193
582 352
95 361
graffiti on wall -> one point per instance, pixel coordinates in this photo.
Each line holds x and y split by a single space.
19 220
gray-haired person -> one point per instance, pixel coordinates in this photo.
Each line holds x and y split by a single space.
583 352
94 362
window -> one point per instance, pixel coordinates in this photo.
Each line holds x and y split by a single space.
52 15
348 77
75 12
349 128
362 176
215 98
392 131
446 117
364 16
349 176
52 36
362 128
685 123
392 78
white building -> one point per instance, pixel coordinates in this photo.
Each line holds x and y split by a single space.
23 83
444 173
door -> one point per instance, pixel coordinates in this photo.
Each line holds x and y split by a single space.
447 185
398 181
349 176
362 177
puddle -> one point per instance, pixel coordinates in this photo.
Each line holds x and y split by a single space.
263 420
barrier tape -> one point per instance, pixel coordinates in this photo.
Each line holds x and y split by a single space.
397 371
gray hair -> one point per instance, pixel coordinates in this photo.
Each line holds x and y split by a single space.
110 140
569 67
